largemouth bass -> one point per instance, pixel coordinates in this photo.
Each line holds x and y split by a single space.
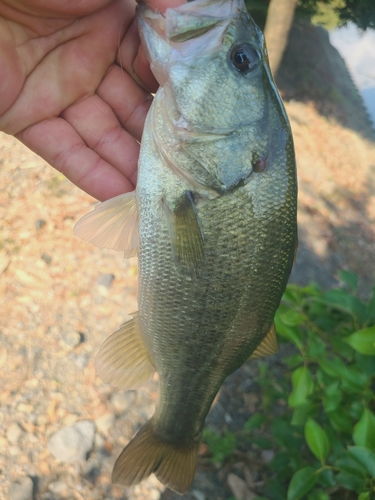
213 220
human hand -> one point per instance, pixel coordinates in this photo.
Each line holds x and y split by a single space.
75 87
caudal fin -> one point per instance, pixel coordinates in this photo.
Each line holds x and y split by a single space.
146 453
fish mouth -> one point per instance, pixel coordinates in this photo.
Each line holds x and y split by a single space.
191 20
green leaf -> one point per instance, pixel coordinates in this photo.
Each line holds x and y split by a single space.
302 412
302 482
290 333
221 446
364 457
364 430
370 310
333 367
292 318
316 439
366 364
286 434
254 422
294 360
349 279
343 301
340 421
315 346
275 489
262 442
350 481
365 496
363 341
327 478
356 409
303 386
293 294
354 380
332 396
348 464
318 495
335 442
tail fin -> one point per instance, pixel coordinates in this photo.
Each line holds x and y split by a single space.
147 453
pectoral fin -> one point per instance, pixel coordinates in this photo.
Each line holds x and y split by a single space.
186 233
268 346
112 224
123 360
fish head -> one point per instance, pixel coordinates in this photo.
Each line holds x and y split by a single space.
212 54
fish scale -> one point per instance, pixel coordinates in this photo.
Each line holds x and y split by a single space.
213 220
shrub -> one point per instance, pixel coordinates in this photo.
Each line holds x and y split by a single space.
318 415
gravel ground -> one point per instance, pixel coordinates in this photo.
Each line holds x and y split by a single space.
61 428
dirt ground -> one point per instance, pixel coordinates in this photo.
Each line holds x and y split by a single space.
60 297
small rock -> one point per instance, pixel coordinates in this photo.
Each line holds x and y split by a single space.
122 401
105 280
57 486
14 450
14 433
82 361
99 441
154 494
39 224
239 488
198 495
73 443
47 259
22 489
267 456
25 408
41 420
71 339
105 422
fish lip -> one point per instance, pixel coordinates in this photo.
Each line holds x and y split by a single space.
165 23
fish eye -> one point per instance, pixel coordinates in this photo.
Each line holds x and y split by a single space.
244 58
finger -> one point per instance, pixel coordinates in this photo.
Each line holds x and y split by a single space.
98 126
131 57
60 145
71 71
163 5
128 101
57 8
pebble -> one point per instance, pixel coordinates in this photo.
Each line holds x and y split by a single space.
47 259
14 450
57 486
122 401
22 489
73 443
82 360
39 224
14 433
267 456
105 422
198 495
105 280
71 339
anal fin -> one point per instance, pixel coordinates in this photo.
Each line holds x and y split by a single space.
112 224
268 346
123 360
186 233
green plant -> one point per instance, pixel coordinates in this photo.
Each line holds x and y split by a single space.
317 414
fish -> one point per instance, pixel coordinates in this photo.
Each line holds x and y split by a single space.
213 222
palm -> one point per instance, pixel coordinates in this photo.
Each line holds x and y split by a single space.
76 88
